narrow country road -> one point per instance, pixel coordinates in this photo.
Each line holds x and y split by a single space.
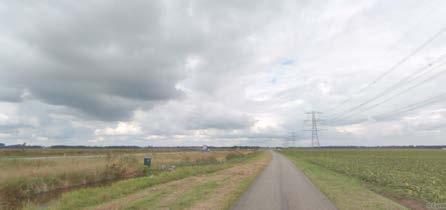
282 186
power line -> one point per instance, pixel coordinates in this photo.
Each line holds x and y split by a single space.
408 79
401 110
418 74
412 107
393 96
410 88
405 81
417 50
397 64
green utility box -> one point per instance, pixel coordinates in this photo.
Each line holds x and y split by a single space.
147 161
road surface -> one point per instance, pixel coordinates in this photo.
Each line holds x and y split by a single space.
282 186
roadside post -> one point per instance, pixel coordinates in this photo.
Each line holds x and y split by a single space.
147 163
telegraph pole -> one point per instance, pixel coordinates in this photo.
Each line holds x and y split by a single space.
315 128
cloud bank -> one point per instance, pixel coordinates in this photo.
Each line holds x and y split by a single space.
218 73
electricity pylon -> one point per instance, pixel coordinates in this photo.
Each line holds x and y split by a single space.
314 128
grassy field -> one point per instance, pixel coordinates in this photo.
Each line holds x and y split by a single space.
36 152
27 179
211 185
47 152
414 178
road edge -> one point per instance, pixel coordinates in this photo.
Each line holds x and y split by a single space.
234 198
335 185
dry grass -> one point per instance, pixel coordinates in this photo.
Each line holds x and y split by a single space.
218 190
22 178
26 168
14 168
36 152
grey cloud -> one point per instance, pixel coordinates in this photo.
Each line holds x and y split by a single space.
10 94
178 117
70 68
211 119
101 59
105 61
87 55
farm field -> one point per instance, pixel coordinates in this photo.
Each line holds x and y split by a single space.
40 180
414 178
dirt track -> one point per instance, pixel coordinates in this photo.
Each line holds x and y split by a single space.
282 186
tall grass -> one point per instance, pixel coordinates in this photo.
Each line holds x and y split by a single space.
17 190
22 180
66 152
93 196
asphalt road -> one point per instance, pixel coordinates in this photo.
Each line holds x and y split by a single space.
282 186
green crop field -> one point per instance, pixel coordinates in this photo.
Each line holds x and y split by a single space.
417 175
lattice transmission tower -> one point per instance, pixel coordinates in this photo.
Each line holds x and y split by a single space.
315 127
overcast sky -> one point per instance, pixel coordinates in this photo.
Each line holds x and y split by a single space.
222 73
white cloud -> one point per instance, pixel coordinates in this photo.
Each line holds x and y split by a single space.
220 73
355 129
3 118
122 129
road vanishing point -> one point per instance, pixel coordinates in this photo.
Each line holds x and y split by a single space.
281 186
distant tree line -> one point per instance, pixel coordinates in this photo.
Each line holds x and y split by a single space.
25 146
387 147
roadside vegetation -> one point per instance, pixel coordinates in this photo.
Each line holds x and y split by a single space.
139 193
217 190
413 178
39 180
51 152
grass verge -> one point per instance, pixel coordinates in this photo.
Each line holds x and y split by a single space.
192 195
205 191
94 196
195 194
40 180
237 180
344 191
232 198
